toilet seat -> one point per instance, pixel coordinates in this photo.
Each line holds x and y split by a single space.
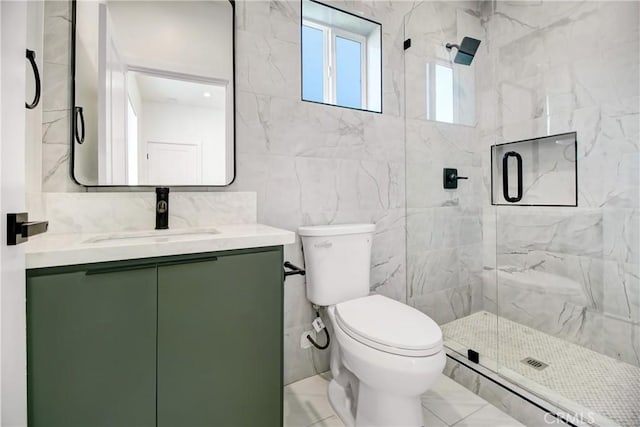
389 326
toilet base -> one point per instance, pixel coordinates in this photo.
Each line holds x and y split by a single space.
342 401
357 404
378 409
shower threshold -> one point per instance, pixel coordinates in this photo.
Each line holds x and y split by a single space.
598 389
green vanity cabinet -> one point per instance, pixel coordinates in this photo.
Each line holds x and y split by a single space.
219 341
180 341
91 348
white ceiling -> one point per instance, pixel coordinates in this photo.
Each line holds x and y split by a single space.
155 88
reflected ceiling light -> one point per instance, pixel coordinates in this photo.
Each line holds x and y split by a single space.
207 95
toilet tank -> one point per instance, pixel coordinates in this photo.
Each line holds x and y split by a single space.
337 261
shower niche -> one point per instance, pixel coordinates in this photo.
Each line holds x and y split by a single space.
535 172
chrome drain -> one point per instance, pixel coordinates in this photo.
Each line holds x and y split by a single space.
534 363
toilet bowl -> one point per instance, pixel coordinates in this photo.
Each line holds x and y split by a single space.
385 354
386 381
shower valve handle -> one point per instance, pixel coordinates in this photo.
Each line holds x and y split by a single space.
451 177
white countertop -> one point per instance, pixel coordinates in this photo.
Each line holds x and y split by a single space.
53 250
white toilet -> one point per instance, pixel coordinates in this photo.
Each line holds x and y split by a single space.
387 353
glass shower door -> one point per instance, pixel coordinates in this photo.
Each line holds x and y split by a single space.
559 294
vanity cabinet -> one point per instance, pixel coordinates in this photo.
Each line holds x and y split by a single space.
91 347
192 340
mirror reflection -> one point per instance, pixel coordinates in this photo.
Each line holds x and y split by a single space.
153 93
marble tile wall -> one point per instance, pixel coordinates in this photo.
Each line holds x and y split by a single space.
135 211
560 67
56 99
314 164
444 227
307 163
574 63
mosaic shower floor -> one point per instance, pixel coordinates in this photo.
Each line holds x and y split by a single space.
583 381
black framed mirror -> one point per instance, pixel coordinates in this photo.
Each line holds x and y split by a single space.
153 93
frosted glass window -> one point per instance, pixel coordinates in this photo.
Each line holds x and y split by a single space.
444 94
348 73
312 64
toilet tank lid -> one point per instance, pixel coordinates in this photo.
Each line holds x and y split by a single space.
336 229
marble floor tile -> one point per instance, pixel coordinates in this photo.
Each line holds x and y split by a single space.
431 419
450 401
488 416
306 405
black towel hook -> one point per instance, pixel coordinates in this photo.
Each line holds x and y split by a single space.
31 56
79 113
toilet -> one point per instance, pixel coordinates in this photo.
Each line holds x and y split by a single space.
385 354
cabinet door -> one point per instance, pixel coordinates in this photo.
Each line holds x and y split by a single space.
220 342
91 356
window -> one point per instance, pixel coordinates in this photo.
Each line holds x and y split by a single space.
341 64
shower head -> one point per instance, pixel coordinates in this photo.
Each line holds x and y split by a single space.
466 50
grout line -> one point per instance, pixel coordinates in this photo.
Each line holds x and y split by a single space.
434 414
319 421
477 410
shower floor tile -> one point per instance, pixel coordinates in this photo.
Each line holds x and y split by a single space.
447 404
578 379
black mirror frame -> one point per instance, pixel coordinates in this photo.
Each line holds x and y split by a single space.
73 118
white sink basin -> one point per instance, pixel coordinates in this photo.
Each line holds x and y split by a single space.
158 236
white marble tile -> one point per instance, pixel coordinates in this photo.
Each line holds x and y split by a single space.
55 127
431 420
622 290
302 363
621 339
306 403
55 86
56 173
451 402
506 401
57 26
131 211
433 271
332 421
621 233
445 305
489 416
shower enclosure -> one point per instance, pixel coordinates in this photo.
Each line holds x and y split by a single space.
533 262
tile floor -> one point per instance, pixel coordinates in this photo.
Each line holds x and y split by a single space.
447 404
581 380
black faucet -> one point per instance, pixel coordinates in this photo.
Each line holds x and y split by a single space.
162 208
